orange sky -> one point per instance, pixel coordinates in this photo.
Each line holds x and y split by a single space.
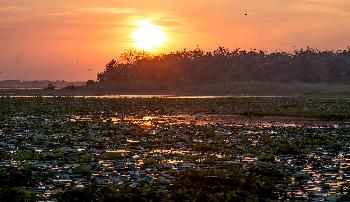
62 39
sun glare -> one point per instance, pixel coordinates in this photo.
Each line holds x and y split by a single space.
148 36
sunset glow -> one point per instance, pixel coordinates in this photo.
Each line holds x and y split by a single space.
148 36
73 40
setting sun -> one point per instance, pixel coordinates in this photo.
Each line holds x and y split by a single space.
148 36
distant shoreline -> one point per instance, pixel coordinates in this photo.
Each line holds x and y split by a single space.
233 89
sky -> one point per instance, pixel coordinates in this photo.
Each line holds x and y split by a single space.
73 40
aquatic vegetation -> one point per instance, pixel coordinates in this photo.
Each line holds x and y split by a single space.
130 149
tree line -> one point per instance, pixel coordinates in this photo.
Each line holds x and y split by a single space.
196 67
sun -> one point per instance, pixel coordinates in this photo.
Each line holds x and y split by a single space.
148 36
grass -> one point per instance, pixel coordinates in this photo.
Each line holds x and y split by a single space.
235 88
272 89
319 108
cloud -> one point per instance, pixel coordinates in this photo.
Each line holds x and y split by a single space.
65 13
168 22
325 7
8 28
13 8
107 10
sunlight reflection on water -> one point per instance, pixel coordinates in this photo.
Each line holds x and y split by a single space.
156 121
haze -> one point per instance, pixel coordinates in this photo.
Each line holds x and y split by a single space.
73 40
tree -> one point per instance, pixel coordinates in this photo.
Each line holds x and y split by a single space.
50 87
90 83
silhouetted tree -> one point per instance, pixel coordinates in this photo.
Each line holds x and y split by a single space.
50 87
140 70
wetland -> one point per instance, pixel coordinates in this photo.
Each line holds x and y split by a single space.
174 149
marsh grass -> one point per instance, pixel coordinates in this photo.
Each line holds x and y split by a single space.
236 88
319 108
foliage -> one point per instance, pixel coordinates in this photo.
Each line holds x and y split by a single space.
181 69
16 195
232 183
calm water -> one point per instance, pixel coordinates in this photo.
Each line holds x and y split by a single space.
149 96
